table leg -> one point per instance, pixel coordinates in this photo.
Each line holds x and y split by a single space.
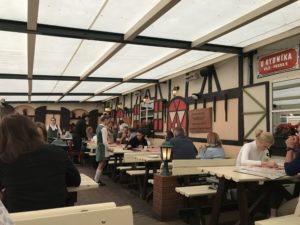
221 192
243 204
144 191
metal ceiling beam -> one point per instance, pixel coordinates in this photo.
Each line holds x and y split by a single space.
73 78
55 94
57 31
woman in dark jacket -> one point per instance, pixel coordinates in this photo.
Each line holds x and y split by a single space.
35 175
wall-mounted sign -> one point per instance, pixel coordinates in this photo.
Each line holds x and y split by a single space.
200 120
279 61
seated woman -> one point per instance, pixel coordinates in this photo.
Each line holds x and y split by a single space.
34 174
213 149
256 152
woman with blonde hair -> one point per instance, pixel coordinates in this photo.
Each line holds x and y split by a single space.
213 149
256 152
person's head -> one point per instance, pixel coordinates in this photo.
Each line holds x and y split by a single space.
264 140
89 130
41 128
139 134
213 139
18 135
125 130
104 119
53 121
178 131
169 135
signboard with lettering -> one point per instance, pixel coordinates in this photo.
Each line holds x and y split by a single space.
280 61
200 120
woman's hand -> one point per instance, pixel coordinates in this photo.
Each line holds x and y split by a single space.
269 164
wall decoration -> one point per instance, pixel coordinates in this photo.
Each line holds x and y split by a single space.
200 120
177 113
159 106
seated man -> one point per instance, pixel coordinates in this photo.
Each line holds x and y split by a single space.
183 147
138 140
292 168
123 137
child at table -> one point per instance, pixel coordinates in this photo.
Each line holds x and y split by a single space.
256 152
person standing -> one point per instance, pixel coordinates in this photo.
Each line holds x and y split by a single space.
102 148
53 130
80 132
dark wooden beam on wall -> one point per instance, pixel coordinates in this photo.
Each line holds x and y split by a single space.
169 89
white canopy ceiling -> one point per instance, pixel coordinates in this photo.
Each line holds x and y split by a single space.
93 50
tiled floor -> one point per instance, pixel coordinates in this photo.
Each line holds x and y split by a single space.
114 192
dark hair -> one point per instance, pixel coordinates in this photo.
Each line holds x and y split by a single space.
6 109
42 126
169 135
18 135
104 117
178 131
140 131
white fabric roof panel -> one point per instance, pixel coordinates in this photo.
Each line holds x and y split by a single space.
192 19
182 62
90 87
130 59
124 87
120 15
13 52
13 86
13 10
52 54
98 98
51 98
74 98
270 25
15 98
50 86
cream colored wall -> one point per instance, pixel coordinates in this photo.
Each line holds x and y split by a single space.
258 93
179 81
164 90
227 130
227 72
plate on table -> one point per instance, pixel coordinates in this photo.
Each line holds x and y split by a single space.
152 156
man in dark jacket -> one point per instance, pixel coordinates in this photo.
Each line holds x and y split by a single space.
183 147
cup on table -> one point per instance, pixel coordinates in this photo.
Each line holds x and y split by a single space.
145 148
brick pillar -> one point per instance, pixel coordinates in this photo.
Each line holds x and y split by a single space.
166 201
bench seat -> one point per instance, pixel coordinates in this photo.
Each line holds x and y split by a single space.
195 191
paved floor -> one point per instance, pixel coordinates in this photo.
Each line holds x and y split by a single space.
114 192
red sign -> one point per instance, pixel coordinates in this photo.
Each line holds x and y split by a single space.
278 61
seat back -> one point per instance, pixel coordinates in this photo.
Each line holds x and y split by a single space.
94 214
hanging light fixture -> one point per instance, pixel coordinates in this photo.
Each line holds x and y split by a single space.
146 99
175 90
107 107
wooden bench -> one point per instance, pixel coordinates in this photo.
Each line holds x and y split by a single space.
94 214
196 191
289 219
86 183
191 166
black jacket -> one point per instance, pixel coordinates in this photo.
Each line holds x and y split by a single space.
38 180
